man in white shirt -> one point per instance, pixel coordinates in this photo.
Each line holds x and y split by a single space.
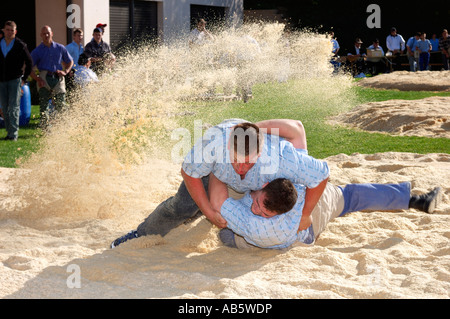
395 44
200 34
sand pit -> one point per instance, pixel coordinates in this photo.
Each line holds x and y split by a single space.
410 81
403 254
429 117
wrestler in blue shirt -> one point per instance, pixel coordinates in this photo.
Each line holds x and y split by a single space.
258 226
275 157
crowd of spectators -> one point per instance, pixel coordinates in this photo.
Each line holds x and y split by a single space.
56 68
416 51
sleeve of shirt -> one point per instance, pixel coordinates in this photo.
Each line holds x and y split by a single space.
200 161
28 62
35 57
303 169
257 230
66 57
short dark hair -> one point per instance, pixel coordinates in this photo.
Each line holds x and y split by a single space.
83 59
281 196
77 30
11 24
247 139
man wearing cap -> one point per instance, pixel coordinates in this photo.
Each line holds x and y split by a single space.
356 57
101 26
99 51
395 44
50 58
376 64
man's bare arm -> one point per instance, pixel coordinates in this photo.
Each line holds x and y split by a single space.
291 130
198 194
217 191
312 196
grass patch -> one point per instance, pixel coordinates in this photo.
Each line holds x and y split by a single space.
275 100
12 153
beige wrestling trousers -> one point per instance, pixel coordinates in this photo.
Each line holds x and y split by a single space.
329 207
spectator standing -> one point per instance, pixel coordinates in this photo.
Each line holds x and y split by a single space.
49 58
424 49
13 57
99 51
396 45
200 34
444 46
75 49
2 35
334 51
434 43
413 56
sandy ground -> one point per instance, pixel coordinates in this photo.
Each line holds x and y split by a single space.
402 254
410 81
428 117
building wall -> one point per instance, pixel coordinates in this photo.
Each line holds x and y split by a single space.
176 15
94 12
173 16
51 13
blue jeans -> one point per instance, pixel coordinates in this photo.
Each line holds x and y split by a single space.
412 63
10 101
424 59
171 213
381 197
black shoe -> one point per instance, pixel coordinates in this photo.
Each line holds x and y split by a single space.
426 202
7 138
131 235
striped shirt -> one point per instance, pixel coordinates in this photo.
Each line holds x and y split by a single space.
277 232
279 159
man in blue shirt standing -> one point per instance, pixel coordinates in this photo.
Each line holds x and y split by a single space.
13 57
49 58
75 48
413 56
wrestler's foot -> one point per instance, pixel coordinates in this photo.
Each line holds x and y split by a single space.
131 235
426 202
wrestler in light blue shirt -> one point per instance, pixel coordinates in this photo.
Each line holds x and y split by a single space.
278 159
277 232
